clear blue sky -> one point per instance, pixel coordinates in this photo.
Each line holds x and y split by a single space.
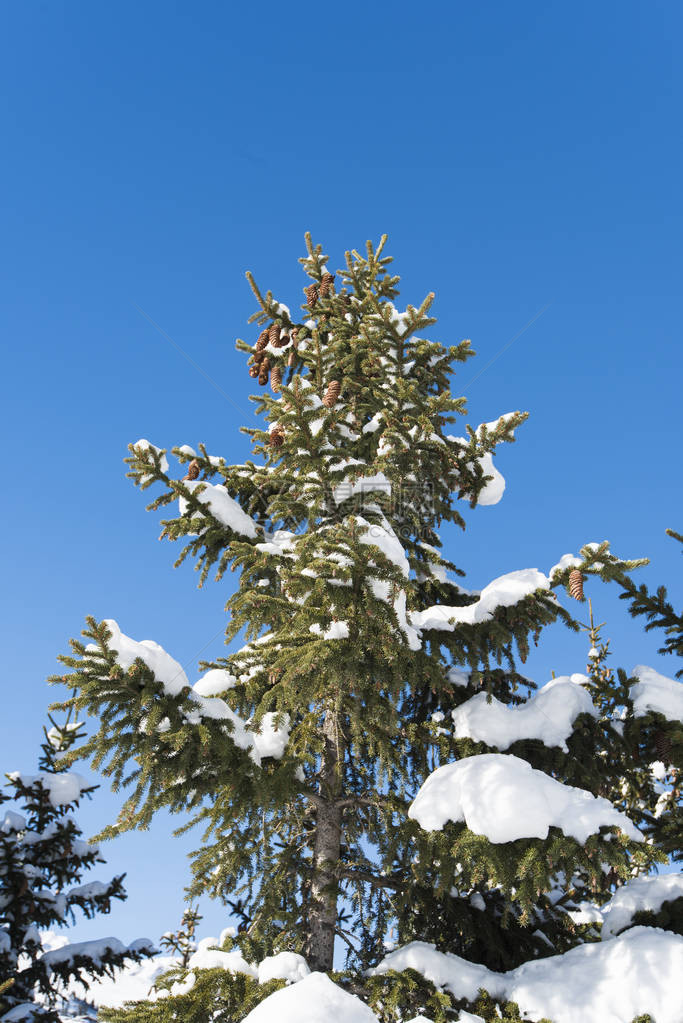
522 157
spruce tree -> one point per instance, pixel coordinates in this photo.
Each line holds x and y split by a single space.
42 862
307 753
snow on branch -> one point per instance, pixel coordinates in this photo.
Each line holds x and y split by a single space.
510 589
158 456
549 715
12 823
347 489
504 798
94 953
502 592
493 490
656 693
63 788
221 505
637 895
314 998
269 740
166 669
592 983
444 969
196 497
478 448
209 958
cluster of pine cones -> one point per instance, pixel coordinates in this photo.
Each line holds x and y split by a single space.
275 336
315 291
261 366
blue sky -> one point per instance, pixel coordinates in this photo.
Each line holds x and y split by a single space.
524 159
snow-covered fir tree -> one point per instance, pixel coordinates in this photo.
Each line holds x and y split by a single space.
43 859
372 768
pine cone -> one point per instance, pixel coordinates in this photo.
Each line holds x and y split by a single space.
576 584
295 336
663 746
277 437
331 394
326 284
274 334
264 372
311 293
253 371
282 341
192 470
292 359
275 379
262 341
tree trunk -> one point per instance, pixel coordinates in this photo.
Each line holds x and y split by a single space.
325 884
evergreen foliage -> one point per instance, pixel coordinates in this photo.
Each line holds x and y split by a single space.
669 916
301 752
5 985
658 611
42 860
654 736
182 942
217 996
626 752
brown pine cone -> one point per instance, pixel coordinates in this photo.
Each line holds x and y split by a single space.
253 371
274 334
282 341
192 470
262 341
576 584
331 394
311 293
292 359
295 336
277 437
264 372
326 284
275 379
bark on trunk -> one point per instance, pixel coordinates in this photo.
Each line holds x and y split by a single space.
325 884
